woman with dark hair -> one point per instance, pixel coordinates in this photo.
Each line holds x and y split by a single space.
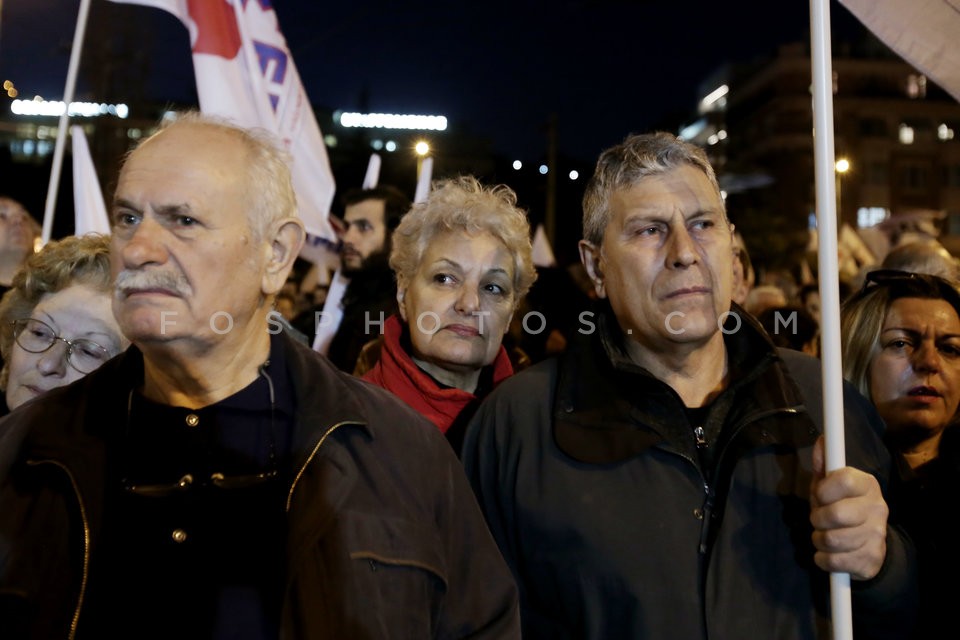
901 349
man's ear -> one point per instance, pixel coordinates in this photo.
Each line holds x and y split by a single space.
402 296
592 258
286 237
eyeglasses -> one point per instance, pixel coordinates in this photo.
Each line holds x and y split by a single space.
37 336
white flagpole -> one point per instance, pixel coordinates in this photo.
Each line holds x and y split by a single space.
822 68
64 117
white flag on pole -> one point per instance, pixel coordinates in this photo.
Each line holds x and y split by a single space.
542 251
922 32
332 314
372 177
90 213
245 72
423 180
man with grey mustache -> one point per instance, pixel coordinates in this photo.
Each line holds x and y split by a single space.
219 479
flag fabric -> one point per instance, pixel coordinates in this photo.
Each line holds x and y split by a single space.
423 180
542 252
90 213
332 314
245 72
372 177
922 32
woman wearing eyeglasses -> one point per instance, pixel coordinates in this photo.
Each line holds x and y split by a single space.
901 348
56 322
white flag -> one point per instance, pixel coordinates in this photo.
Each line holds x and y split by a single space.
372 177
922 32
90 213
332 314
245 72
542 252
423 180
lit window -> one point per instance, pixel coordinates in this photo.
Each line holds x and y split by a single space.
906 134
871 216
916 85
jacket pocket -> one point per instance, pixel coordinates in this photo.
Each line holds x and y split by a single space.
398 572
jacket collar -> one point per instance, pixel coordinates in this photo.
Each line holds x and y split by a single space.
74 425
608 408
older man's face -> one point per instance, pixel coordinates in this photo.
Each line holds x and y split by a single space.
187 266
665 262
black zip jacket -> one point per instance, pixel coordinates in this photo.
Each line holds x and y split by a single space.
617 524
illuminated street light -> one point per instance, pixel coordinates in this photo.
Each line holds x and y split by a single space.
517 165
422 148
842 166
543 169
574 174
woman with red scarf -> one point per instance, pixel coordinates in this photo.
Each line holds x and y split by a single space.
463 264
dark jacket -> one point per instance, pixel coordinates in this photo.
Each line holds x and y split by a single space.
370 298
924 502
617 526
385 539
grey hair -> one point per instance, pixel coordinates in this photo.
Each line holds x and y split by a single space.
625 164
268 181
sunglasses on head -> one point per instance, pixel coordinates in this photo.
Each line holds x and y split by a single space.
921 284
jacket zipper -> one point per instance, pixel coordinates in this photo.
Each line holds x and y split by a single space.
708 489
306 463
86 541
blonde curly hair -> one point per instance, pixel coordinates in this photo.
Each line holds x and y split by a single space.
464 204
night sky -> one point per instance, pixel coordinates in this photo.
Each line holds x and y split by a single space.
495 69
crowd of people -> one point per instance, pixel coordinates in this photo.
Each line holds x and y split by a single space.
203 439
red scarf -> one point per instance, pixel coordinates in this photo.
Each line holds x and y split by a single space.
399 374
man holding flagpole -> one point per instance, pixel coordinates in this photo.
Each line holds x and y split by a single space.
665 477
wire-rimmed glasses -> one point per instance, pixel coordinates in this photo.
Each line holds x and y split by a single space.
36 336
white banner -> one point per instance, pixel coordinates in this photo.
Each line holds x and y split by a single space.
245 72
922 32
89 211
